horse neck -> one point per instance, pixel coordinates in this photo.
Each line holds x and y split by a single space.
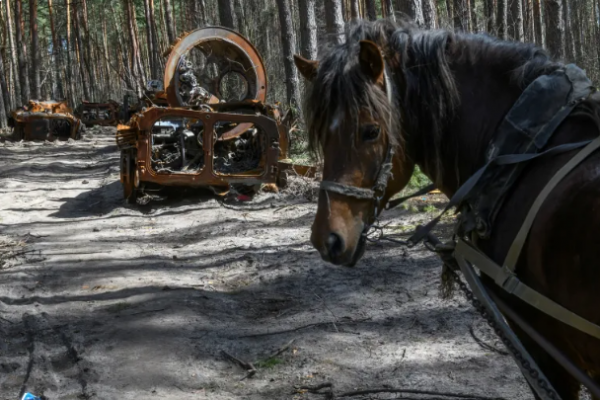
485 98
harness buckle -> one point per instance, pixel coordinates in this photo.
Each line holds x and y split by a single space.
510 280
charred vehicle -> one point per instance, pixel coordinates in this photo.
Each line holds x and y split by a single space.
45 120
216 132
103 114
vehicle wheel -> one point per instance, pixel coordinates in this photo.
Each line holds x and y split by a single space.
130 192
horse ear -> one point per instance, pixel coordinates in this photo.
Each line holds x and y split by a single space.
371 61
307 68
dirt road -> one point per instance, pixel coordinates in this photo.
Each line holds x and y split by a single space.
100 300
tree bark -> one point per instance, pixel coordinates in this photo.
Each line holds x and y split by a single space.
555 28
502 19
152 47
79 43
288 44
429 14
388 9
34 70
516 20
226 14
57 52
308 29
568 31
371 10
13 55
69 69
240 18
461 15
488 12
538 22
596 8
22 53
576 30
5 98
354 9
473 17
334 20
413 9
169 21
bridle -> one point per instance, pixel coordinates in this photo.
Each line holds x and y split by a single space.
376 193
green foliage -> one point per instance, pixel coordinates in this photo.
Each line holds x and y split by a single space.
269 363
417 181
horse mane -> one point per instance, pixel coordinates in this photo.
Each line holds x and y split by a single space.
421 65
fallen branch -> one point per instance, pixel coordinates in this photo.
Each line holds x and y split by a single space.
246 365
300 328
414 391
330 395
281 349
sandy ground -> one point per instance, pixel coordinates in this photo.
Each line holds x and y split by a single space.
101 300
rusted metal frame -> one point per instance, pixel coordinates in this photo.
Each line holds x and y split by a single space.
207 176
112 108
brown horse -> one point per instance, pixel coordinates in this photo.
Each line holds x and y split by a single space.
436 99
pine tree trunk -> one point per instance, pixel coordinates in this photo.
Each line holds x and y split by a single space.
87 51
169 21
152 48
5 66
528 21
596 8
488 12
576 31
334 20
5 98
413 9
429 14
155 42
308 29
355 9
388 9
22 53
371 10
461 15
226 14
474 23
502 19
16 99
538 23
555 28
288 44
69 69
516 23
79 43
240 17
450 11
568 31
34 70
57 52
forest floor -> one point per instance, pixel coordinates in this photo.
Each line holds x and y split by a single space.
103 300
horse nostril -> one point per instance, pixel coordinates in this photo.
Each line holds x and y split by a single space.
335 245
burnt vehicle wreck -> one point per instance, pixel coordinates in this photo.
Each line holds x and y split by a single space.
216 132
45 120
103 114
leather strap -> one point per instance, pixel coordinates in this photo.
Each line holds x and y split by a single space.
514 252
506 279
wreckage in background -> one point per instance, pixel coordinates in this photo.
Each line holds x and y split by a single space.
217 130
103 114
45 120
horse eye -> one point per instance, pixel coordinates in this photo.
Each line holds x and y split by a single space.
370 132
